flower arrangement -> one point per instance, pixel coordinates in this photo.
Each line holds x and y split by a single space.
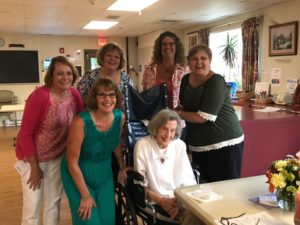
284 176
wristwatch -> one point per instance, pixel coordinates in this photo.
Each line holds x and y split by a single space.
2 42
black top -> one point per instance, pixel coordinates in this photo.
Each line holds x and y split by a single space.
212 101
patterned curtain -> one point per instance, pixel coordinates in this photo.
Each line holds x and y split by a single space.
204 36
250 33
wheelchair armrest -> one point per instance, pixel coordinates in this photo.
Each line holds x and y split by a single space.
195 168
133 175
197 175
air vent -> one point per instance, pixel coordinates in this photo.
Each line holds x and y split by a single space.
16 45
112 17
169 21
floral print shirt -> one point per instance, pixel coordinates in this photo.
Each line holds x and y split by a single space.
149 80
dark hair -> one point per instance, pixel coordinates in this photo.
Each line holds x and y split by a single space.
107 84
63 60
179 54
198 48
108 48
160 119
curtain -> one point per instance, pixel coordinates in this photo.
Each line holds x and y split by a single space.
204 36
250 35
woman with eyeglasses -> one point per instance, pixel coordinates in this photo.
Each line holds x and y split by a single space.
111 59
168 66
162 160
86 169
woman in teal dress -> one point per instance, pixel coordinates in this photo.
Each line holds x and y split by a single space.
86 168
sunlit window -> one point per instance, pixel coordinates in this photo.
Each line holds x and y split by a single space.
231 67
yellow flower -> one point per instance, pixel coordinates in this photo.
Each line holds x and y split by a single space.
291 189
284 176
280 164
278 180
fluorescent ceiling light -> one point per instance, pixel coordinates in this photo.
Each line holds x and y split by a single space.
100 25
131 5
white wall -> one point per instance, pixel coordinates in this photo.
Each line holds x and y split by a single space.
289 65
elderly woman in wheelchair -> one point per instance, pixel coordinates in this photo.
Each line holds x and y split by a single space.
162 160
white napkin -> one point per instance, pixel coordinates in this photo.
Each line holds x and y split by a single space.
204 196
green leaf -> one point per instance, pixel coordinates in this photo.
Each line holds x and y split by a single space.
229 50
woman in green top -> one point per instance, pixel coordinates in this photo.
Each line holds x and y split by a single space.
214 134
86 169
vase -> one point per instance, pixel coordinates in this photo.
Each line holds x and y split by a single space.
287 203
232 86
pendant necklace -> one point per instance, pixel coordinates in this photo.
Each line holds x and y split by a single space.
162 155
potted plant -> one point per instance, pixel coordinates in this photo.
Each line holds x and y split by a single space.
229 51
229 55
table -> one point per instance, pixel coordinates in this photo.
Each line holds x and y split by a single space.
14 109
268 137
236 194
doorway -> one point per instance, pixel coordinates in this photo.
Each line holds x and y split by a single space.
90 59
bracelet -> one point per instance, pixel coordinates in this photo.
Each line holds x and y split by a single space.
85 198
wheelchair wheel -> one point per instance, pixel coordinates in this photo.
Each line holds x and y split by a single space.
126 211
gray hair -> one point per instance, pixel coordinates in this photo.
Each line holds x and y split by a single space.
160 119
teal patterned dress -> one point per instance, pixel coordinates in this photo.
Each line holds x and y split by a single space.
95 164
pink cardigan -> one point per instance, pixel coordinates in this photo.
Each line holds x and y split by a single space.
36 108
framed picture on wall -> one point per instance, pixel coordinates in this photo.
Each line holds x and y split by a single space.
283 39
193 39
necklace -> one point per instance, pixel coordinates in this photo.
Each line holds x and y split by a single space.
162 155
102 125
168 69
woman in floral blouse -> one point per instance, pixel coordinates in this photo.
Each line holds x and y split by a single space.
110 57
168 65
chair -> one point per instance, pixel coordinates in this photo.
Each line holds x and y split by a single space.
131 198
7 97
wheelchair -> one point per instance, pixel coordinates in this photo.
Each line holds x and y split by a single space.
131 198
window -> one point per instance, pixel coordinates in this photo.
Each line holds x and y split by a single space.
217 42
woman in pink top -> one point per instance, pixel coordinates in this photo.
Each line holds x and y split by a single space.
168 65
41 141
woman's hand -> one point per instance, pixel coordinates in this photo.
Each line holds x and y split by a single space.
170 206
35 178
178 108
124 173
85 207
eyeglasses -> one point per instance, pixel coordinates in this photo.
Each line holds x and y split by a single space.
225 220
103 95
165 44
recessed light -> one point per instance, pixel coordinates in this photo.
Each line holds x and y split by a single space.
100 25
131 5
